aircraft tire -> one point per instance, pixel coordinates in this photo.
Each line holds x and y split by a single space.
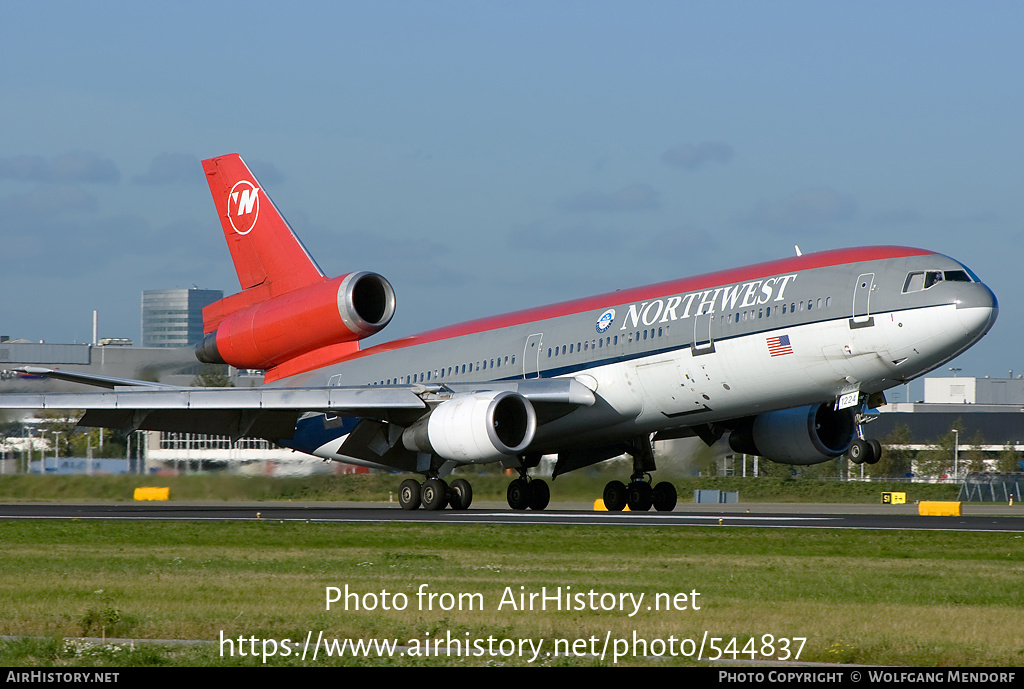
614 496
876 451
461 494
434 494
665 497
518 494
409 494
639 496
540 495
859 451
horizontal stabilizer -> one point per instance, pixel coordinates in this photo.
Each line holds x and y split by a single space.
90 378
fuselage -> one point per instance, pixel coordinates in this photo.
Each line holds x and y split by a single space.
802 330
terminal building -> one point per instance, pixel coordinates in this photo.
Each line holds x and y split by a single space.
988 408
174 317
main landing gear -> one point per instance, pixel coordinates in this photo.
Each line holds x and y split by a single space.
640 494
435 494
528 493
865 451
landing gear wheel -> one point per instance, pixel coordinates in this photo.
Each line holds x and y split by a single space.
665 497
639 496
518 494
460 494
540 494
859 451
876 451
614 496
409 494
434 494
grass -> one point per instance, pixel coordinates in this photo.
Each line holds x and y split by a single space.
891 598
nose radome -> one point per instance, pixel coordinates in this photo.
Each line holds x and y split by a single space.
978 309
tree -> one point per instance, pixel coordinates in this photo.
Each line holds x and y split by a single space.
897 458
213 376
1009 460
973 457
59 425
937 461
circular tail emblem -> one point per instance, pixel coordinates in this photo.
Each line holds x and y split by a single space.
243 206
606 320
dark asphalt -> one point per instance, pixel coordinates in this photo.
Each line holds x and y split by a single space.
975 517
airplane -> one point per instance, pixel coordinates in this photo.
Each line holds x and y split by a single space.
783 358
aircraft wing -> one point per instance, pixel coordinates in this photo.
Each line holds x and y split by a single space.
271 412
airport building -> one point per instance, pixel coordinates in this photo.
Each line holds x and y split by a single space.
988 408
177 366
174 317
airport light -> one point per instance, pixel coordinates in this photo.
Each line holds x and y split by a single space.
956 453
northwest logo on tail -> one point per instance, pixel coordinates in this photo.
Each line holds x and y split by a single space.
243 206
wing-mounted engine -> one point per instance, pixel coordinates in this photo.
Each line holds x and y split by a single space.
805 435
281 328
475 427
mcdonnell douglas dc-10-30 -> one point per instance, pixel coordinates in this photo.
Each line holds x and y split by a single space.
782 358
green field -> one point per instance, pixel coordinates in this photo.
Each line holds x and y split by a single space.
892 598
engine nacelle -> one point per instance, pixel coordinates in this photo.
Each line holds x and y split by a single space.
476 427
342 309
805 435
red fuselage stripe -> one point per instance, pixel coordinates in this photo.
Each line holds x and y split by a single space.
823 259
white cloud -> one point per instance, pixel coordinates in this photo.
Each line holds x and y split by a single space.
804 210
695 156
83 168
636 197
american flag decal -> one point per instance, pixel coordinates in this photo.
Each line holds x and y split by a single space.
779 346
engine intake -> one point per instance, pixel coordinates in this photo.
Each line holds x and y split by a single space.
804 435
476 427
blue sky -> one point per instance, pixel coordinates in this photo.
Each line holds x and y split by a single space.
487 157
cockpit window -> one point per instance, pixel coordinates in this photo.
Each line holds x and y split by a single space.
914 283
921 280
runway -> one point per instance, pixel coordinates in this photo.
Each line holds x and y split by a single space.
994 518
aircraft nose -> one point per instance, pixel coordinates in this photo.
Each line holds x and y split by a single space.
977 309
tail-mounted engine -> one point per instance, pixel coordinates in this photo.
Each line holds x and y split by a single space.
477 427
805 435
266 334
